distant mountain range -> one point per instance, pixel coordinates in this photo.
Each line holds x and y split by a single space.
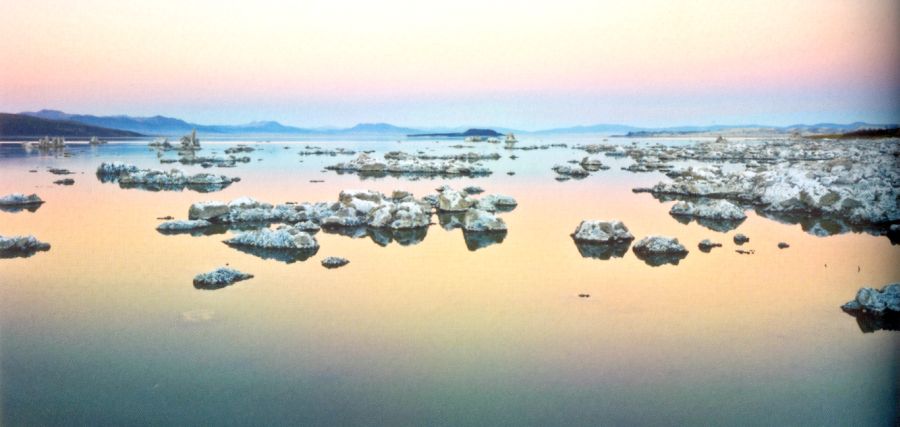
168 126
22 126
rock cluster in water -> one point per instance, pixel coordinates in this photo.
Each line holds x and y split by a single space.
602 239
850 181
719 215
219 278
19 199
130 176
399 217
592 231
706 245
876 309
21 246
18 202
364 164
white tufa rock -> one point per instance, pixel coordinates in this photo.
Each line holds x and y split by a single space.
711 209
593 231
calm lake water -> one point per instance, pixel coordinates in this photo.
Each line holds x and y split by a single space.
107 329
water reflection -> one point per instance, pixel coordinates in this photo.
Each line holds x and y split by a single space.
287 256
602 251
409 176
382 236
825 226
20 208
657 260
214 229
870 322
476 240
720 225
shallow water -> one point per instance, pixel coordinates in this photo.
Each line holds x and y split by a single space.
107 328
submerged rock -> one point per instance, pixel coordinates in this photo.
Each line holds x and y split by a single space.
67 181
473 189
219 278
334 262
783 245
658 250
594 231
183 225
875 310
706 245
21 246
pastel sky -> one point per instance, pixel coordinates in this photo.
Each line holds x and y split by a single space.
461 62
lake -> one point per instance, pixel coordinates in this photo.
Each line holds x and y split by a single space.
106 327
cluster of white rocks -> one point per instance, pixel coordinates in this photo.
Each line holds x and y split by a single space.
132 176
860 187
364 164
21 246
357 213
319 151
607 239
712 209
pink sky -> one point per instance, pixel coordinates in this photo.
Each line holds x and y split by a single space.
466 62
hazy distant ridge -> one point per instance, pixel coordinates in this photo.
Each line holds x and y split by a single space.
161 125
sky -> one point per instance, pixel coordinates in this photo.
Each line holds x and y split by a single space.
463 62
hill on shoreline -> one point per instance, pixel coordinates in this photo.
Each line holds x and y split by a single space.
22 126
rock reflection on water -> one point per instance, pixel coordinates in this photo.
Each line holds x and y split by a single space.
602 251
476 240
287 256
214 229
820 226
720 225
21 208
382 236
870 322
657 260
